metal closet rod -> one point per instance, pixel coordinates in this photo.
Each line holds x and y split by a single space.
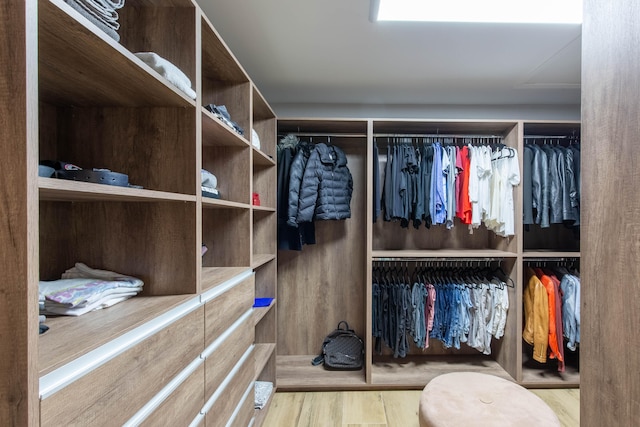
432 135
559 259
548 137
325 135
424 259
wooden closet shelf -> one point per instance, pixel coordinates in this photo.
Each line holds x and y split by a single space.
215 276
417 371
297 373
261 159
260 312
536 378
217 134
261 259
263 209
211 203
262 354
79 65
54 189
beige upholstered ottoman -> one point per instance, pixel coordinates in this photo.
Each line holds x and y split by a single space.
464 399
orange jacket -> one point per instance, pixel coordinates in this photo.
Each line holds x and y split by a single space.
551 298
536 313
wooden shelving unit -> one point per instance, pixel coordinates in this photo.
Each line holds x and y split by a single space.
88 100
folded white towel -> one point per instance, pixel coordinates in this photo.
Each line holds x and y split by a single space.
169 71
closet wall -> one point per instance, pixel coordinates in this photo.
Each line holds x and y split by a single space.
190 346
372 243
610 110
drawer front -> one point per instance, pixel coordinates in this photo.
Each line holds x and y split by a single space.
222 311
183 405
223 359
247 410
115 391
228 401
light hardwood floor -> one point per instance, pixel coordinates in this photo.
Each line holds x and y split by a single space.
391 408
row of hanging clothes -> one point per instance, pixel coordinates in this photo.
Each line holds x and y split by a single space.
314 183
552 309
439 300
551 181
433 180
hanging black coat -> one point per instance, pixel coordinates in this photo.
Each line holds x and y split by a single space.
327 185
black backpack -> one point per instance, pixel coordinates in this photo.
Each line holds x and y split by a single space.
342 349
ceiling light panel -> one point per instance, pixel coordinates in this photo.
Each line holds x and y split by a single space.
492 11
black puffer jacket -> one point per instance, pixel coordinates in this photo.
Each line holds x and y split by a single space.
325 192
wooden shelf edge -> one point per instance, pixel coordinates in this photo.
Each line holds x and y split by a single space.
218 132
261 158
265 209
211 203
260 312
211 277
262 353
54 189
297 373
259 260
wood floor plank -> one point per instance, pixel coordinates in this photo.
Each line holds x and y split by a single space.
564 402
285 407
389 408
401 407
320 409
363 407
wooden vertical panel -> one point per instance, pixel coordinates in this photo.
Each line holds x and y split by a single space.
266 280
168 31
507 350
19 213
368 333
226 232
154 146
158 247
610 213
232 168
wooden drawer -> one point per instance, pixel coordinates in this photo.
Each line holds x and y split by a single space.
183 405
222 311
231 396
246 411
115 391
223 359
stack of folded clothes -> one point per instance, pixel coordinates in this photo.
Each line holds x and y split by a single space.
209 184
101 13
83 289
169 71
220 111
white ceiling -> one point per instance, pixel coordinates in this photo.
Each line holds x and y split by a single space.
329 52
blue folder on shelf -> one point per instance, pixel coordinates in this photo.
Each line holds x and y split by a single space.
262 302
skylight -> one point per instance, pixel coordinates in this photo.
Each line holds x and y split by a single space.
495 11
